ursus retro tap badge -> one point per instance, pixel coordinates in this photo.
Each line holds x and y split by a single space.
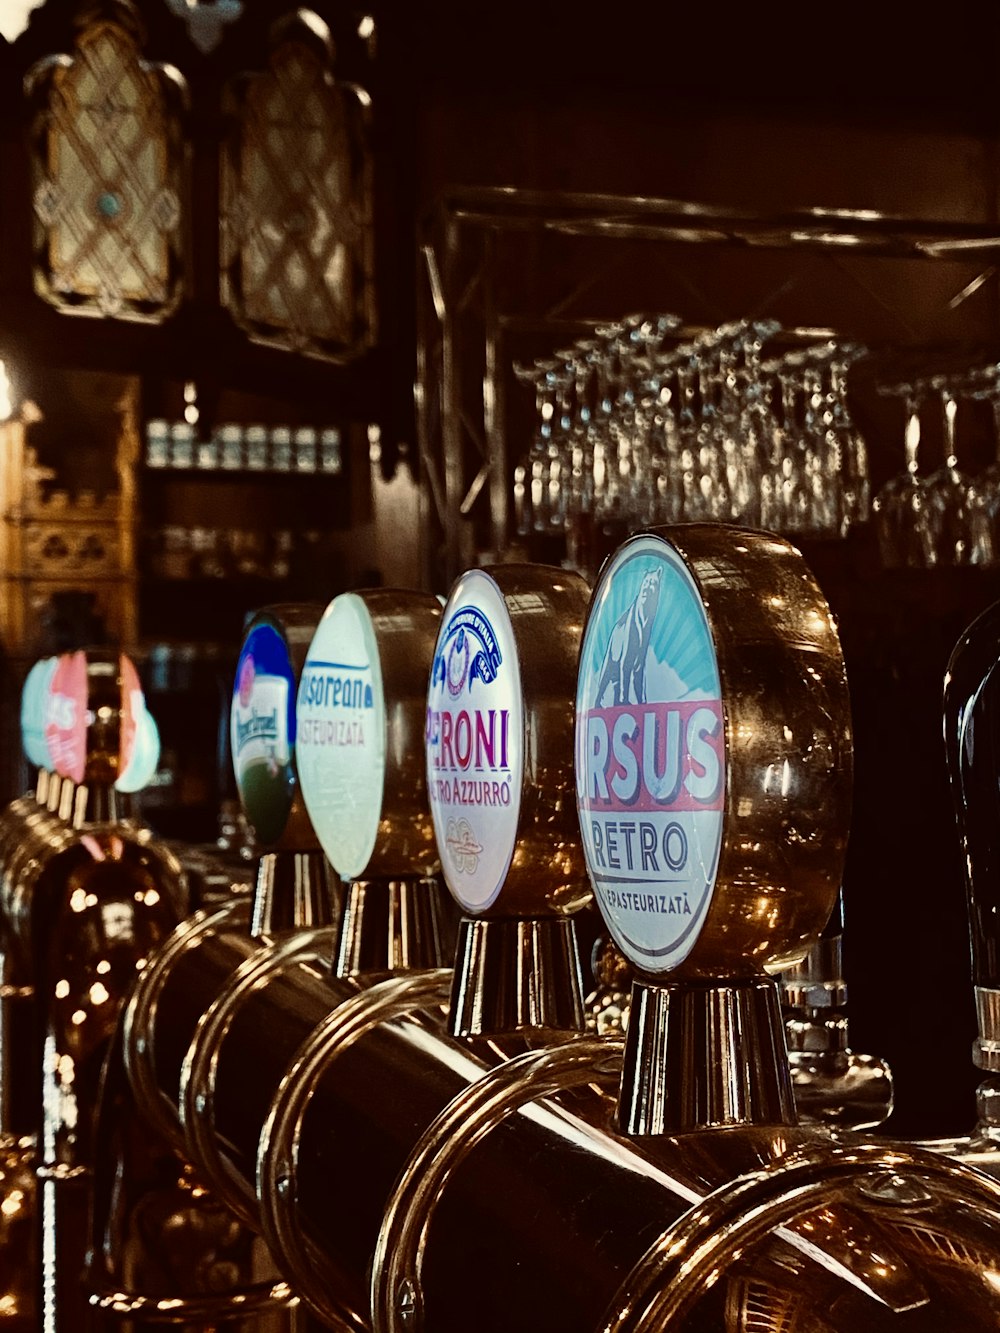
474 741
650 754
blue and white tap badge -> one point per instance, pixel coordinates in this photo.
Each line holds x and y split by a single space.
262 730
650 754
474 741
340 742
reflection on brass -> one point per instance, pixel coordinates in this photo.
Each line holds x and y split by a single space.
607 1005
690 1256
515 975
281 1134
396 1282
701 1054
753 1306
196 1095
405 625
141 1020
389 926
18 1230
163 1247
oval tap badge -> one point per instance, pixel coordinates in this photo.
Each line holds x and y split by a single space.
650 754
474 741
262 730
340 747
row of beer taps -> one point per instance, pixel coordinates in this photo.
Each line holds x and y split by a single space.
349 1096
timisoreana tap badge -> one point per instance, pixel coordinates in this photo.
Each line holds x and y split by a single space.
650 754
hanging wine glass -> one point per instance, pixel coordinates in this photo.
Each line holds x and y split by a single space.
946 494
691 504
899 509
855 484
755 436
983 495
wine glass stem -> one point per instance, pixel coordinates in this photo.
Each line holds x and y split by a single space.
950 411
912 437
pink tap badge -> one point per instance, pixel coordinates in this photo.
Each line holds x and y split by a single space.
66 716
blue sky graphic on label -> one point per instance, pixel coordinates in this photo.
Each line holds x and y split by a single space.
650 754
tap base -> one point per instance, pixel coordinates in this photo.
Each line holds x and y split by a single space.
516 974
390 925
699 1054
293 890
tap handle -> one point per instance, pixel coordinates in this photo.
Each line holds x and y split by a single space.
972 745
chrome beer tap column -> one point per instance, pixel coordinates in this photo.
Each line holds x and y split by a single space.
833 1084
359 749
499 768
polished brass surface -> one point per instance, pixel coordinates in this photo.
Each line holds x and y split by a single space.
294 890
691 1254
202 1311
281 1138
163 1248
788 750
203 1129
397 1279
700 1054
547 608
405 625
516 975
154 1072
548 1209
390 925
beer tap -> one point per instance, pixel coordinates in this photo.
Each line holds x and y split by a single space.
359 729
713 765
499 769
833 1084
295 885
